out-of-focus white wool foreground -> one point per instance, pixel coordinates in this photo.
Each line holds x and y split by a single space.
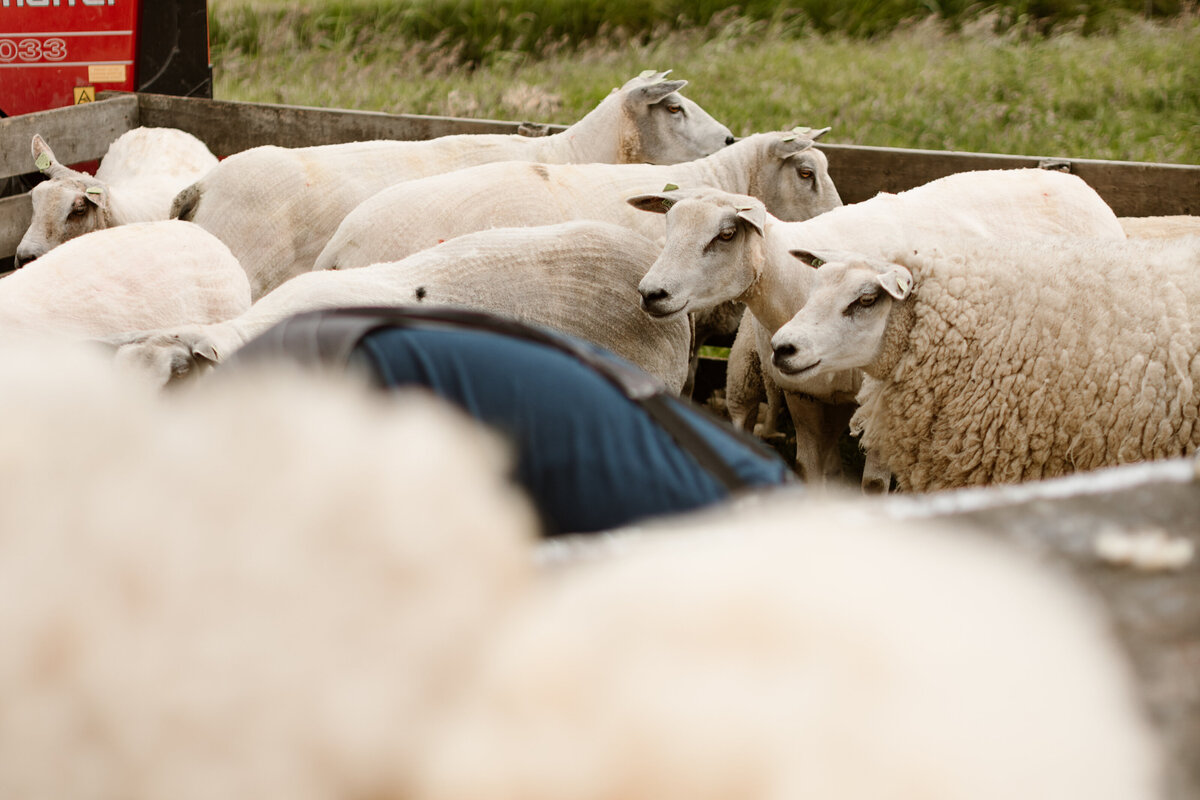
796 651
258 588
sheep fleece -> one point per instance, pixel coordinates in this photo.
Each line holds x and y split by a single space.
1032 360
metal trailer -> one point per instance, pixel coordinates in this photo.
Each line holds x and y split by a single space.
1156 614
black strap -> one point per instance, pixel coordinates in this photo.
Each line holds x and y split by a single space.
328 337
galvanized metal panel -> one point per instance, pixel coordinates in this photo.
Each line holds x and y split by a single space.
76 134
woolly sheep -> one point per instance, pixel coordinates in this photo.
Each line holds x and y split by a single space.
783 168
722 246
1170 227
139 276
579 277
791 650
265 587
137 180
277 207
1003 362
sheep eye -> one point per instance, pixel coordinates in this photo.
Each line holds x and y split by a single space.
78 210
867 300
674 108
806 174
727 234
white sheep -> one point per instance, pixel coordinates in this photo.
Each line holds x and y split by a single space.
137 180
1008 361
266 587
782 168
792 650
1169 227
723 247
277 207
578 277
139 276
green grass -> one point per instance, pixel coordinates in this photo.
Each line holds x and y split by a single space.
1131 94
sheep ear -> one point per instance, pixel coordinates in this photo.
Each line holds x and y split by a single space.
94 195
204 352
654 203
44 160
755 216
811 133
813 258
653 93
897 282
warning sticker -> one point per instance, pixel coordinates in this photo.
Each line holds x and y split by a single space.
84 94
106 73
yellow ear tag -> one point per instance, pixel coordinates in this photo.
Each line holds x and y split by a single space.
788 139
42 162
670 187
903 283
646 74
818 262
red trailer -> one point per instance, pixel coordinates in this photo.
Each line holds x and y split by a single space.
56 53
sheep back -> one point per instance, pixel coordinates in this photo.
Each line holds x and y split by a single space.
1028 360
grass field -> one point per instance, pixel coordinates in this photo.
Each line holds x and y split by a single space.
974 83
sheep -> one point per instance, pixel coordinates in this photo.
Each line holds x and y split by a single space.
1170 227
578 277
722 246
1008 361
143 275
137 181
783 168
790 649
263 587
277 207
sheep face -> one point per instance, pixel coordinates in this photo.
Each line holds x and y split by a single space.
661 126
843 323
63 208
793 179
713 252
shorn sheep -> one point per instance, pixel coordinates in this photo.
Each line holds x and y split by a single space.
310 189
724 247
783 169
789 650
140 276
578 277
265 587
137 180
1002 362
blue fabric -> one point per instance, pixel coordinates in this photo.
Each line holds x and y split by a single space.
590 458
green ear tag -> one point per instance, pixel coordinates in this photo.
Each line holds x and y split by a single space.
788 139
95 191
743 208
42 162
903 283
818 262
670 187
646 74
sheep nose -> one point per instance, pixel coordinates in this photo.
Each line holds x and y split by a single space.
20 260
783 352
653 296
730 139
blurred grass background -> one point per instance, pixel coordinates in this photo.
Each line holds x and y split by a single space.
1112 80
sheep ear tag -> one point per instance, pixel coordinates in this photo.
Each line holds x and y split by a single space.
42 162
93 194
897 282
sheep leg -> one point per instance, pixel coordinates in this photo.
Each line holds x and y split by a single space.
744 382
812 421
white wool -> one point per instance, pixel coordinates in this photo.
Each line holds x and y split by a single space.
800 650
261 588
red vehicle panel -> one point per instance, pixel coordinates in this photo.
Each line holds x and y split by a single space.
57 53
